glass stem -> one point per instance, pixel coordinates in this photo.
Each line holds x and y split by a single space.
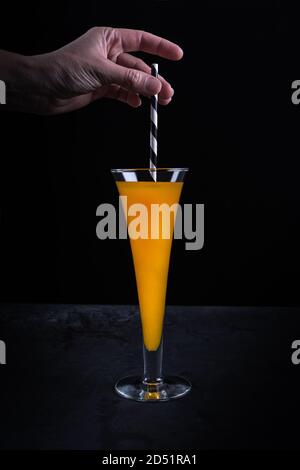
153 366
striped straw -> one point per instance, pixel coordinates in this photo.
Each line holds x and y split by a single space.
153 128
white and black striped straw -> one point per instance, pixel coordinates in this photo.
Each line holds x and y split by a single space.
153 128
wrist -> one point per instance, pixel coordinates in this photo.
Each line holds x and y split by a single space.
23 74
13 69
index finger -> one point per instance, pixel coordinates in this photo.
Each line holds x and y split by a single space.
135 40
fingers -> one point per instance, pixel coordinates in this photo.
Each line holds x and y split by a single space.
131 79
128 60
116 92
134 40
62 106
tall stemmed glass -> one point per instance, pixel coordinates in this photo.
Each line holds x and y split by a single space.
146 202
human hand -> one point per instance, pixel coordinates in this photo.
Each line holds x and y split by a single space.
96 65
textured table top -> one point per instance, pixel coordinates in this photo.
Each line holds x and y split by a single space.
56 390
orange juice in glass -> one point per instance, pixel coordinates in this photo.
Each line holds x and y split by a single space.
151 234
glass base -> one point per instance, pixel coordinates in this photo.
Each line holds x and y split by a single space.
170 388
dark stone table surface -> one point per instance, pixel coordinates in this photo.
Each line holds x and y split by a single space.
56 390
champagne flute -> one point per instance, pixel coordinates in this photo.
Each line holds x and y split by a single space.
151 254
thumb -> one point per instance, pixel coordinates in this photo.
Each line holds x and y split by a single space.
132 79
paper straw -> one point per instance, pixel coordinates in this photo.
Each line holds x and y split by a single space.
153 128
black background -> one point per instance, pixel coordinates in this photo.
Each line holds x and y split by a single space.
231 122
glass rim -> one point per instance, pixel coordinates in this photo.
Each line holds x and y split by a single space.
124 170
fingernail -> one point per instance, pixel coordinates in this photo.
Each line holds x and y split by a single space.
172 90
153 86
180 53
